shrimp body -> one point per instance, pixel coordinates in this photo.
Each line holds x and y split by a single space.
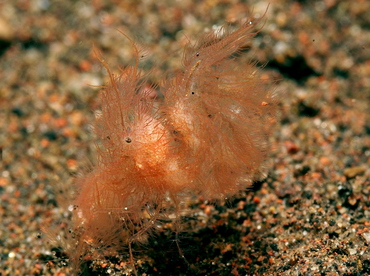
207 136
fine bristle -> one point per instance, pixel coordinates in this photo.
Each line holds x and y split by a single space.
222 111
207 134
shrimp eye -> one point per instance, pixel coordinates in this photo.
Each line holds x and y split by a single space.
128 140
197 54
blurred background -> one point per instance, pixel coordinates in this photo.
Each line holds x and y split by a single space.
309 216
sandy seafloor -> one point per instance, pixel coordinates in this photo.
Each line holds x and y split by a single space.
309 216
